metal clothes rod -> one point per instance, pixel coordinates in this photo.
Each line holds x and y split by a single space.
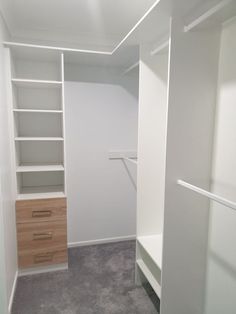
210 195
206 15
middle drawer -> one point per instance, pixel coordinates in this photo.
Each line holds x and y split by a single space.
46 235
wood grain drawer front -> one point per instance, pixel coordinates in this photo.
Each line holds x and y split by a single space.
40 210
44 235
43 258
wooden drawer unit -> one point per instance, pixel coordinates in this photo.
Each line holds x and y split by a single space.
36 235
42 258
41 232
40 210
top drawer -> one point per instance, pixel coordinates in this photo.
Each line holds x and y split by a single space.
40 210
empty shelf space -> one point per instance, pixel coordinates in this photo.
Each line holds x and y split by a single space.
149 276
39 168
36 83
153 246
39 139
36 111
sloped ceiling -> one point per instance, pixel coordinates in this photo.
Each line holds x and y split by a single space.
76 23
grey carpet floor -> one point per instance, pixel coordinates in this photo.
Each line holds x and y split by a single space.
100 280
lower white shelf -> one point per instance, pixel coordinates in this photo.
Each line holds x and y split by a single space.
39 139
41 192
153 246
39 168
151 279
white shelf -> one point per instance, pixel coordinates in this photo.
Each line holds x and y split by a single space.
36 111
153 246
41 192
36 83
151 279
29 196
27 139
39 168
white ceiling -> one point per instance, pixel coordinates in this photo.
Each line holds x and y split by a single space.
76 23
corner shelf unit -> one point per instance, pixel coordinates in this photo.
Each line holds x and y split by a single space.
36 95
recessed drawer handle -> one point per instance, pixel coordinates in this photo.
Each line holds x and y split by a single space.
41 213
42 236
42 258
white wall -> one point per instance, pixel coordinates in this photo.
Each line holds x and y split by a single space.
101 192
221 279
7 206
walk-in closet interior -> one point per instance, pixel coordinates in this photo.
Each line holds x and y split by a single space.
117 157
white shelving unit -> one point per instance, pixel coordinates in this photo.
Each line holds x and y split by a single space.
37 89
153 109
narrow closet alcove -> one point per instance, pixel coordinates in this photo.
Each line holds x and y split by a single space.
117 186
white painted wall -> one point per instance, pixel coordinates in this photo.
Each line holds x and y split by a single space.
101 192
221 276
7 207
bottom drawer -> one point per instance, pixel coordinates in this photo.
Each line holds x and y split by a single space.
43 258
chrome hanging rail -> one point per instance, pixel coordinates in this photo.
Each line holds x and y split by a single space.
210 195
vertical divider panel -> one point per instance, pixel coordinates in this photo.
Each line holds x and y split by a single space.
63 117
191 110
15 157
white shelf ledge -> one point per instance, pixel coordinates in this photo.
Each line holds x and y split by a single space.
29 196
36 111
32 139
36 83
153 246
39 168
41 192
151 279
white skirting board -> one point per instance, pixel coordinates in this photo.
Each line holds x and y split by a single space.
12 292
43 269
101 241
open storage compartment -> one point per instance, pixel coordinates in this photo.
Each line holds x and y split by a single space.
153 108
40 184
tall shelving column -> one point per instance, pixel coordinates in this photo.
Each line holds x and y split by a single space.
37 102
153 108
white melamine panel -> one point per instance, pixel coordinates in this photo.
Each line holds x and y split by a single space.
192 96
43 139
152 142
38 168
37 98
38 125
101 192
35 83
221 275
8 248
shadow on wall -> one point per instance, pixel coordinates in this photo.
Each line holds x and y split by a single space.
131 174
